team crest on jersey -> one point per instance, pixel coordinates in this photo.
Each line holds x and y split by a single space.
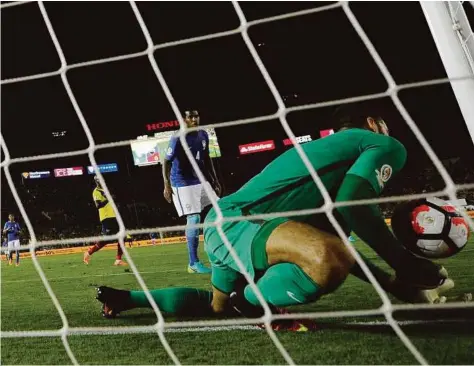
384 174
203 145
169 152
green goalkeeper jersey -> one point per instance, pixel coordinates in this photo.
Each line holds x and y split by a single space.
286 184
352 164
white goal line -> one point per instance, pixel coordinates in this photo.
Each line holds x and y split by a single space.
234 327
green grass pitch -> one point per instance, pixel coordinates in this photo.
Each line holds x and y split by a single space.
25 305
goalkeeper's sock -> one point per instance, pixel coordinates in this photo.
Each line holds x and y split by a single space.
284 284
177 301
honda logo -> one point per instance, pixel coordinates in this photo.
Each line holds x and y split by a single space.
161 125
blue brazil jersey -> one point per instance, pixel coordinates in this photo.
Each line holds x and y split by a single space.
182 172
13 230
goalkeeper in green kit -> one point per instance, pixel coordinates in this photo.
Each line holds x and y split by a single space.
298 258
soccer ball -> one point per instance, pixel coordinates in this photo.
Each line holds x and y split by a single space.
430 228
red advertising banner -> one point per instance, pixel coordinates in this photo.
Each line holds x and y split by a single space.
299 140
162 125
324 133
68 172
257 147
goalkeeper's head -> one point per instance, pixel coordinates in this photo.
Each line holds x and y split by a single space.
191 118
353 116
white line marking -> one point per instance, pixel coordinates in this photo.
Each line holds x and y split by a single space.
147 272
89 275
380 323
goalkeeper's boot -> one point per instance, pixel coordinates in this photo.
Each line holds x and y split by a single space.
423 274
198 267
291 325
241 306
114 301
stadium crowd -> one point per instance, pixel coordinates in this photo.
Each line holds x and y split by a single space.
63 208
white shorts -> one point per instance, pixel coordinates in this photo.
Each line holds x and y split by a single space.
191 199
14 244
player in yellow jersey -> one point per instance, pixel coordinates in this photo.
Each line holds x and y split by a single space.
109 224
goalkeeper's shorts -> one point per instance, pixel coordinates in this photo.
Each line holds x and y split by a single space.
249 238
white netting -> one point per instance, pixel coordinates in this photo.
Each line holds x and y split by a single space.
463 29
386 309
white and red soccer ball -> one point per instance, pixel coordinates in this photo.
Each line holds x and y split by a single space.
430 228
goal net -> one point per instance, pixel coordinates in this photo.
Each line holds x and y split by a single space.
447 22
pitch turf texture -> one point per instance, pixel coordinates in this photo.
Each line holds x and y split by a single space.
362 340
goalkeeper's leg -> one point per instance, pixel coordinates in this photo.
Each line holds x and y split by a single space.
179 301
301 263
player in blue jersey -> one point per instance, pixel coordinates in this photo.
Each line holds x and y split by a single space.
12 230
153 237
182 185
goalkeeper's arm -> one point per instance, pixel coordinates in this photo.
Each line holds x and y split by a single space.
368 222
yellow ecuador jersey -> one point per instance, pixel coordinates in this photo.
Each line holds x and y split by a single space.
107 211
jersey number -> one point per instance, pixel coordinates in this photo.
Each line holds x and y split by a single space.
198 155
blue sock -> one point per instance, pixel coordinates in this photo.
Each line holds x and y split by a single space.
17 257
192 238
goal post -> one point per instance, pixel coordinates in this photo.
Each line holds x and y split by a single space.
454 40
